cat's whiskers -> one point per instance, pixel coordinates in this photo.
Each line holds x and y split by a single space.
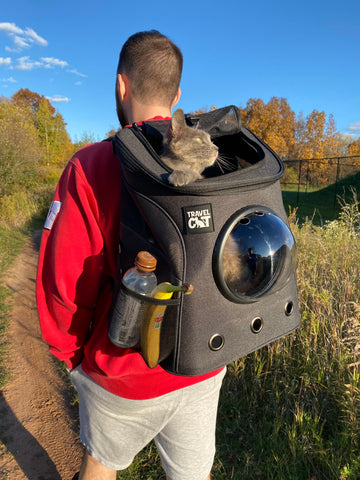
225 163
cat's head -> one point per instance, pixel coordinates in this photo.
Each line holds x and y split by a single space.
189 147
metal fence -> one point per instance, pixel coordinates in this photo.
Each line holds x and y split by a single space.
332 176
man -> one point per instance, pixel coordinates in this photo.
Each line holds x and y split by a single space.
123 404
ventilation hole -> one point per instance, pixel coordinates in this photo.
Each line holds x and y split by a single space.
257 325
216 342
260 214
289 308
244 221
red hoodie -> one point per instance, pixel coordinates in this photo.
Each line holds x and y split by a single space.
77 267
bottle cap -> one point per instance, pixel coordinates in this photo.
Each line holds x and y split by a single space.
145 261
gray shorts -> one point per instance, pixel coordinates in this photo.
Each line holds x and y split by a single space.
182 423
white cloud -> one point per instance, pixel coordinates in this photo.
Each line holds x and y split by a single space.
21 38
9 80
34 37
78 83
50 62
24 38
24 63
58 98
19 44
10 28
75 72
354 127
5 61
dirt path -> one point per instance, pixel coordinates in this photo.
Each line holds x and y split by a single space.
38 434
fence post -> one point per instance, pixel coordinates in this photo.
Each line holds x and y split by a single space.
307 175
299 180
337 179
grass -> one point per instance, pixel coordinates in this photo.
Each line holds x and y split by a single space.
291 409
146 466
321 204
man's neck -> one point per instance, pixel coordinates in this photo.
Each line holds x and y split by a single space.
148 112
138 112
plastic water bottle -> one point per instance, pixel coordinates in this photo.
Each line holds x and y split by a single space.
125 323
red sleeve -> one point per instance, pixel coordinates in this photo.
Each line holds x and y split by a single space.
71 267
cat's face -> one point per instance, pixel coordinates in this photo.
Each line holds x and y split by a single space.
191 147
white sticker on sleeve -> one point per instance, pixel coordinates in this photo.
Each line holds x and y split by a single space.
52 213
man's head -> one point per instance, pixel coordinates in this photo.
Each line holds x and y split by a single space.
150 65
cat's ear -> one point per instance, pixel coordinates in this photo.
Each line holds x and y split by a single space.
177 123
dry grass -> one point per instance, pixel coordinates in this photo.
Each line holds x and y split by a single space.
291 409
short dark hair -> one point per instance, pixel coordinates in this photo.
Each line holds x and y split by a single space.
153 64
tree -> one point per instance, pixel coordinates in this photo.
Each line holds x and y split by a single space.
52 133
273 122
332 144
20 150
315 134
353 148
318 140
85 139
50 125
111 133
30 101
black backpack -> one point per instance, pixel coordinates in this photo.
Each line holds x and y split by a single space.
192 229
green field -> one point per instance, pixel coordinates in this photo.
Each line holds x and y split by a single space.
321 204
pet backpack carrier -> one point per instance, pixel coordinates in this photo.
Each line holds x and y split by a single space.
200 231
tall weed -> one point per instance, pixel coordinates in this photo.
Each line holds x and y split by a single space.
20 208
291 409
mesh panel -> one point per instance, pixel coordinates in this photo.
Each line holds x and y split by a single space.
223 121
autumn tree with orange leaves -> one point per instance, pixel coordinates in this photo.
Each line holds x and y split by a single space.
354 149
295 137
274 122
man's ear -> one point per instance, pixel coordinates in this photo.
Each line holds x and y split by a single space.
122 85
177 98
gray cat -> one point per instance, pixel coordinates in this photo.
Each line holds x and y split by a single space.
187 151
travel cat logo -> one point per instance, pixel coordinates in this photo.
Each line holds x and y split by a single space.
198 219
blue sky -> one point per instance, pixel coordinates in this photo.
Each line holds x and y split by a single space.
306 52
